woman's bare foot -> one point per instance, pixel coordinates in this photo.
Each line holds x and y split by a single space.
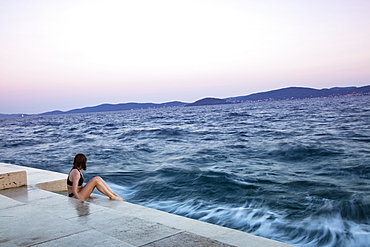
117 198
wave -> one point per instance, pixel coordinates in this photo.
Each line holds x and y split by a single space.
301 152
161 132
239 114
331 229
327 217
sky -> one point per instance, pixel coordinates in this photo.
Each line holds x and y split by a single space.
64 54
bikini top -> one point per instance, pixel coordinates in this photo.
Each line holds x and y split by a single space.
80 182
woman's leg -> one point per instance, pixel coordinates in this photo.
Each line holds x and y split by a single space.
99 184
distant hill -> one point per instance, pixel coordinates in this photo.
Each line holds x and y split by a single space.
290 93
117 107
301 93
209 101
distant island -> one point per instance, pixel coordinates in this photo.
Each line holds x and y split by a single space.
209 101
117 107
290 93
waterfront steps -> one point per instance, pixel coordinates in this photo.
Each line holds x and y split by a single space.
31 216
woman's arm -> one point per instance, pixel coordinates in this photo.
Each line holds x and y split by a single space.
75 178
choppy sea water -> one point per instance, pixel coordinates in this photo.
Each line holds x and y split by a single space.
293 171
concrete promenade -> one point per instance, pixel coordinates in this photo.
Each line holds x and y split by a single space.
32 215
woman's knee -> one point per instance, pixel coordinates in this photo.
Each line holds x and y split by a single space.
97 179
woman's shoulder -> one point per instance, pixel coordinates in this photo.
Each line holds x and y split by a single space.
74 171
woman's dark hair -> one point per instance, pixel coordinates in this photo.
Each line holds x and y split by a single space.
80 162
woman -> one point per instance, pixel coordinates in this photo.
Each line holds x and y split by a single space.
75 182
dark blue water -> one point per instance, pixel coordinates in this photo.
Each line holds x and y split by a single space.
294 171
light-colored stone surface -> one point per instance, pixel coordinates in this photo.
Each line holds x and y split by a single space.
8 203
54 203
13 179
24 225
31 216
186 239
87 238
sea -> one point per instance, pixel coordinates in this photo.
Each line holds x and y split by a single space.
295 171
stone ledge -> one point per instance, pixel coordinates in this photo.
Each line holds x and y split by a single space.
54 186
13 179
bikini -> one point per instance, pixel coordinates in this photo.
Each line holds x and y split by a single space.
70 183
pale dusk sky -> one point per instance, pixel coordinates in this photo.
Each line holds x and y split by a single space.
60 55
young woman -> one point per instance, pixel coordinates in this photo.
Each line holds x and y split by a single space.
75 179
